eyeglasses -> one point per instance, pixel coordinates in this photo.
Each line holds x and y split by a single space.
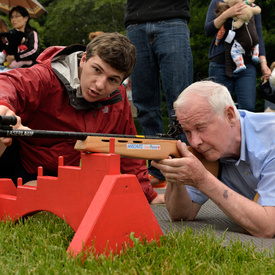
16 16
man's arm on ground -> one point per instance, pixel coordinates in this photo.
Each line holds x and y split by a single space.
256 219
179 204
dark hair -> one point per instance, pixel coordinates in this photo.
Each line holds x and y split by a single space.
115 49
24 13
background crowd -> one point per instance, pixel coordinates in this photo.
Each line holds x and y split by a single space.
53 29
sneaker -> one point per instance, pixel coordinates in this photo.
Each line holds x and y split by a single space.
157 183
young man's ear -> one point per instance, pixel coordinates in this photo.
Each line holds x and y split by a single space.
83 59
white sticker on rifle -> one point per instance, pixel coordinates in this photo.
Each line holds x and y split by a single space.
143 146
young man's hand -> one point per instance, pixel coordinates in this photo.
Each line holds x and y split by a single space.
5 111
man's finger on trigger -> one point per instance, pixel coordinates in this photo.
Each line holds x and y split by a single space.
182 147
154 163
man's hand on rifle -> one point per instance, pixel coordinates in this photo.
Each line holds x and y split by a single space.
185 170
5 111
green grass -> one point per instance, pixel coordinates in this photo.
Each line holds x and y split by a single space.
38 246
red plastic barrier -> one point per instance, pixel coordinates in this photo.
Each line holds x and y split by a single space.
102 206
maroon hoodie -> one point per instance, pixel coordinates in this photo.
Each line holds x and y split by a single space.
41 99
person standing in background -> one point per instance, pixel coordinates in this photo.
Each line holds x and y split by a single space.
19 18
160 34
242 84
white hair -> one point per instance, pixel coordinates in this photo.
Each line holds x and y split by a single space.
216 95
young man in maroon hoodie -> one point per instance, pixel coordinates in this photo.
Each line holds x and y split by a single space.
70 89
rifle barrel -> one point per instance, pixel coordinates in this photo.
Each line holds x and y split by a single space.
11 120
67 135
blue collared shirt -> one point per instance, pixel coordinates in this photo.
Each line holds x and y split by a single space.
254 171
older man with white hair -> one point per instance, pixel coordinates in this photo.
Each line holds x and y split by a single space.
244 144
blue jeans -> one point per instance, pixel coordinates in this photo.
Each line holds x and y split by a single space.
242 85
164 61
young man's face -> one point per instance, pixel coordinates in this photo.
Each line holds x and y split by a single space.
97 78
208 133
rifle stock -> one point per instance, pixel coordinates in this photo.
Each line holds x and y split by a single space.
141 148
130 147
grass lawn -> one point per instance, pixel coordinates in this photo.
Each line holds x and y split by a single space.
38 246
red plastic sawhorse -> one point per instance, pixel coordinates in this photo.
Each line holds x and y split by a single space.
102 206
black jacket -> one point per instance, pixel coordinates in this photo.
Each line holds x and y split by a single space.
140 11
